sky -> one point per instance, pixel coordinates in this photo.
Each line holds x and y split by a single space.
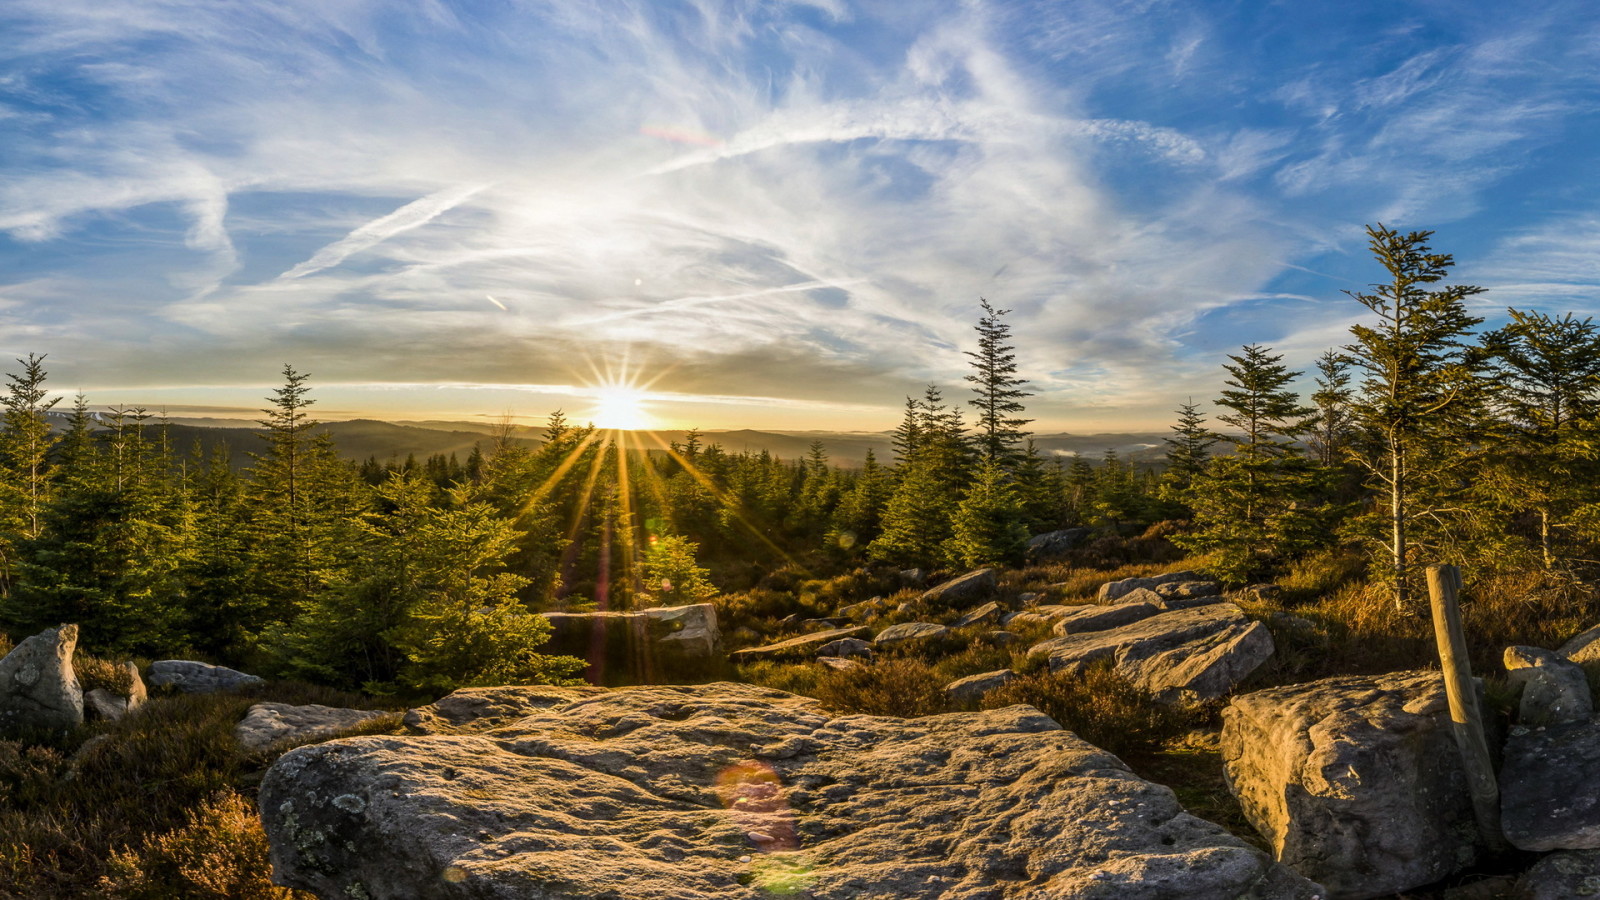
759 213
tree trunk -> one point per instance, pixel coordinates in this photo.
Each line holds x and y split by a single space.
1402 597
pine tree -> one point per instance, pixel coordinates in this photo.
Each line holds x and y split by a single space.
25 443
672 573
1418 395
929 484
1329 430
999 390
1188 450
988 529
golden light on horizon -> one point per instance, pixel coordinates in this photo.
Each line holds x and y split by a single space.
620 408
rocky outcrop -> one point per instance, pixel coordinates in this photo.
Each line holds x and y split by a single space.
1054 545
1112 591
909 631
38 687
1550 787
1204 651
979 584
271 723
197 677
866 609
987 614
1585 648
673 635
1084 619
974 687
1562 876
733 792
846 647
1555 691
803 645
1354 781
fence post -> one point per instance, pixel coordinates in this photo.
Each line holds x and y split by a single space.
1466 714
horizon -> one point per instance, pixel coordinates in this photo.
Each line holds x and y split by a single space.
766 216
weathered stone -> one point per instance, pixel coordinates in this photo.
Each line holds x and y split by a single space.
912 577
866 609
989 613
1188 590
137 694
197 677
1204 651
1571 875
1000 638
100 703
1354 781
1029 599
733 792
1550 787
38 688
839 663
1583 649
976 585
1260 593
271 723
846 647
822 624
682 634
1055 544
803 645
1111 591
472 710
974 687
1555 691
1084 619
1141 595
909 631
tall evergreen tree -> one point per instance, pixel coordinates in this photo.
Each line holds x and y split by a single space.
987 528
1188 449
999 390
25 442
1329 431
1418 395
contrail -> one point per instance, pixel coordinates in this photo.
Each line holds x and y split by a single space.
412 215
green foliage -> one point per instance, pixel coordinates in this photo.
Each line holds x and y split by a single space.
903 686
999 391
988 528
672 575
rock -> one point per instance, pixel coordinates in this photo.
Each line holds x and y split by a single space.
1585 648
197 677
1554 690
1188 590
1111 591
471 710
866 609
100 703
976 585
270 723
137 694
973 687
1054 545
734 792
1550 787
38 688
912 577
1141 595
1000 638
1355 781
1260 593
804 645
676 634
814 624
1204 651
987 614
839 663
1562 876
909 631
790 622
1029 599
846 647
1084 619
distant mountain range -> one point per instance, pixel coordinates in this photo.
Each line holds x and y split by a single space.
359 439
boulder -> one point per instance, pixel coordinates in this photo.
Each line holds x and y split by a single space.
1585 648
909 631
735 792
1112 591
846 647
1140 595
137 694
1260 593
1054 545
912 577
192 677
270 723
819 624
1204 651
1000 638
976 585
973 687
38 688
1355 781
866 609
839 663
987 614
804 645
472 710
1029 599
1188 590
1550 787
1555 691
680 634
1084 619
1562 876
100 703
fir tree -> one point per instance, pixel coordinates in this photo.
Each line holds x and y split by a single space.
999 390
988 529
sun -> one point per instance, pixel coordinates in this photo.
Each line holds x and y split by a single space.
620 408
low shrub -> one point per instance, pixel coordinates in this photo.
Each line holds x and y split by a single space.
218 853
104 674
905 687
1100 707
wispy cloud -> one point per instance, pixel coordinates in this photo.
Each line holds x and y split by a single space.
413 215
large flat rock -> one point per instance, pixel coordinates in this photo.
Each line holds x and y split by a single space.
266 724
1550 787
1354 781
738 792
1204 650
674 633
799 646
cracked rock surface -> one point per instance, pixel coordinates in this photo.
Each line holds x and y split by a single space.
734 791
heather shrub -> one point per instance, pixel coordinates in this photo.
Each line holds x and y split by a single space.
218 853
902 686
1100 707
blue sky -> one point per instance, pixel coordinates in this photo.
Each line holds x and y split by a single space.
778 214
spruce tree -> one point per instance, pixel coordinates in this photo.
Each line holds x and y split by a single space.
1418 397
987 528
25 442
1188 449
999 390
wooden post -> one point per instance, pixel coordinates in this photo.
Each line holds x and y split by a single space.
1466 715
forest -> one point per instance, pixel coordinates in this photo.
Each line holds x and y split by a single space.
1423 441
